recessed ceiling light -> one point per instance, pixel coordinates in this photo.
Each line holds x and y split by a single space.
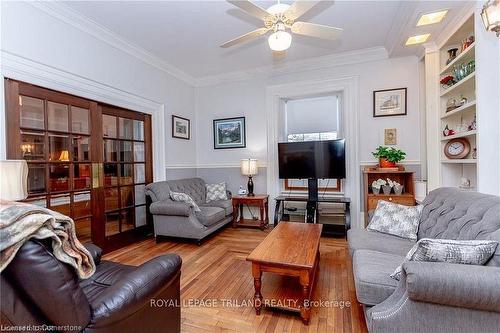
432 18
418 39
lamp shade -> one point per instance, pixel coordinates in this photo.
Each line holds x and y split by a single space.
13 180
279 40
64 157
249 167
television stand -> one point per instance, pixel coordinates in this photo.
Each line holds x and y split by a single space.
312 210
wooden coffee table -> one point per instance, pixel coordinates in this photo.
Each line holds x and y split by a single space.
291 253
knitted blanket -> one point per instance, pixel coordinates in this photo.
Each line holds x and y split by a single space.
20 222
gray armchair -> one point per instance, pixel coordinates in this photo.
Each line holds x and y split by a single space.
178 219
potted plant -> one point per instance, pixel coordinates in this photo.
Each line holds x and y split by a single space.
388 157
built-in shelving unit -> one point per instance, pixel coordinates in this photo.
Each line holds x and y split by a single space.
461 120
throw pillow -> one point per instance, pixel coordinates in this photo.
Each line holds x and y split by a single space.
216 192
183 197
394 219
471 252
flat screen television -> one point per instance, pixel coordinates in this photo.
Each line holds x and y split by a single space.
312 159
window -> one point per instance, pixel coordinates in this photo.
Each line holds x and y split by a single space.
313 119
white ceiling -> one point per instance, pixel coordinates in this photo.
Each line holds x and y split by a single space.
187 34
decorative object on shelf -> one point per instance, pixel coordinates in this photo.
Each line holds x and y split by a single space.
457 148
451 105
464 183
473 125
181 128
447 81
229 133
474 153
389 102
388 157
463 101
249 168
491 16
452 54
467 42
14 180
398 189
387 189
447 131
377 184
390 136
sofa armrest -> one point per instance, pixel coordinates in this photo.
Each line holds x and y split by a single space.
135 290
168 207
466 286
95 252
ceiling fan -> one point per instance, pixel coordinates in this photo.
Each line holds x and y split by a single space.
279 18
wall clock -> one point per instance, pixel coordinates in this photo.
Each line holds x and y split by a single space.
457 148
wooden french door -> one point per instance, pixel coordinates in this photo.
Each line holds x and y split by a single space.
87 160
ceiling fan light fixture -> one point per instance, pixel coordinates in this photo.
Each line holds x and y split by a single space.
279 40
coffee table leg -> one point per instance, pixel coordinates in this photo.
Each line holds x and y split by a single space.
257 283
305 310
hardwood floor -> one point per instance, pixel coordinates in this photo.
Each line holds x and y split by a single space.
217 272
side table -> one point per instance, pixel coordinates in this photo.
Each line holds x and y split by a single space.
259 200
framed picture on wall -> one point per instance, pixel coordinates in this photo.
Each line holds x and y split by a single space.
229 133
389 102
181 128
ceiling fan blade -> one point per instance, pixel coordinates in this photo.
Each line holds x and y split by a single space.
316 30
251 8
245 37
299 8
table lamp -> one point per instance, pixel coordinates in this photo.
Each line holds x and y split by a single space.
13 180
249 168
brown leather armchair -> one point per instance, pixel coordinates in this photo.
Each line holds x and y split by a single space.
37 289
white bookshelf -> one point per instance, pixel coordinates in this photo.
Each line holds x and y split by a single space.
452 171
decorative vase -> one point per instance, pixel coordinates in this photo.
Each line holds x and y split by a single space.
376 190
387 189
452 54
398 190
384 163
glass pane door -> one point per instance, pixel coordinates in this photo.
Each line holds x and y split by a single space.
124 170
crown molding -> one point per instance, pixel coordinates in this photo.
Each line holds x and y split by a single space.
463 15
67 15
404 18
298 66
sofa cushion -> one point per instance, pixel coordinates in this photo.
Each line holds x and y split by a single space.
360 239
451 213
372 272
395 219
209 216
183 197
216 192
227 205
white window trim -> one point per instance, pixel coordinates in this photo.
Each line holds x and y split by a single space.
349 86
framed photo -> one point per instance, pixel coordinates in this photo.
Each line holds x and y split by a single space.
229 133
181 128
390 136
389 102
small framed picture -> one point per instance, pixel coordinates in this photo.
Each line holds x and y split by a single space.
229 133
390 136
181 128
389 102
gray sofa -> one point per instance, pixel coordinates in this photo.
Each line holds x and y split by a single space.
431 297
178 219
